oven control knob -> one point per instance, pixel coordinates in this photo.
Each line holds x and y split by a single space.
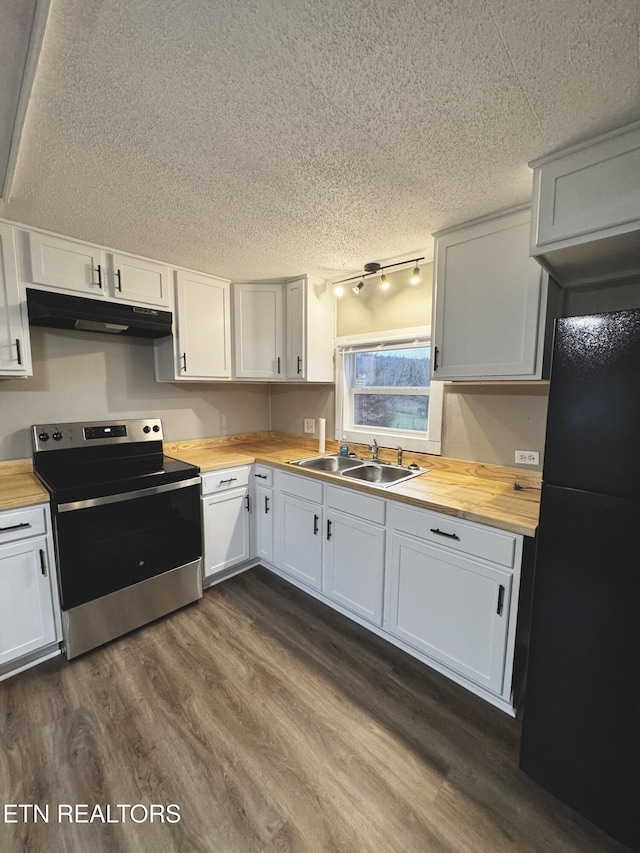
146 428
156 428
56 436
43 436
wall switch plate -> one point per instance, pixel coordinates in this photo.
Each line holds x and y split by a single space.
527 457
310 425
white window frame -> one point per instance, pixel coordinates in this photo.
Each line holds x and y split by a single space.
429 442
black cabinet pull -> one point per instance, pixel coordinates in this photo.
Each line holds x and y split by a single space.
119 280
99 271
316 519
18 351
278 363
184 361
229 480
266 504
448 535
248 503
435 359
500 600
328 530
299 364
43 563
262 476
15 527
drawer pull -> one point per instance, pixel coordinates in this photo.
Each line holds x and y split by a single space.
442 533
43 563
500 600
262 476
230 480
20 526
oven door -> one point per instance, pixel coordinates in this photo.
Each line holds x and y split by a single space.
109 543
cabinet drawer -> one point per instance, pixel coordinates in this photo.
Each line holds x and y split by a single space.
450 532
22 524
354 503
229 478
301 487
262 476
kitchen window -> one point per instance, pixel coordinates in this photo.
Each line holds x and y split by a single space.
384 390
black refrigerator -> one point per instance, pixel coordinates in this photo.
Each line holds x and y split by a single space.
581 722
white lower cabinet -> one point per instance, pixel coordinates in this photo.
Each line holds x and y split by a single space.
28 620
452 608
225 515
263 512
299 528
353 569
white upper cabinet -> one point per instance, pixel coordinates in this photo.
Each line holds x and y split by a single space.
490 302
15 359
63 264
259 351
586 210
140 281
66 264
284 330
200 348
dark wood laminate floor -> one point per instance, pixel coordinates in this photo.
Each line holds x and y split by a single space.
276 725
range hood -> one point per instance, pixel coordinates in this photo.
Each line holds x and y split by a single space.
59 311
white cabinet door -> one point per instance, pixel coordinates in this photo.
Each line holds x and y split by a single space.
354 565
299 540
67 265
26 606
487 302
136 280
263 510
258 331
203 326
14 330
452 608
296 342
226 530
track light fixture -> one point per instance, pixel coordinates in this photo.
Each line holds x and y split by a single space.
372 268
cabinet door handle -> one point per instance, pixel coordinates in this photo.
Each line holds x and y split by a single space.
99 271
18 351
184 361
278 363
230 480
328 530
448 535
435 359
266 504
299 364
119 280
500 600
248 503
20 526
262 476
316 519
43 563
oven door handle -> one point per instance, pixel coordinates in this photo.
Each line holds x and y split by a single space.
128 496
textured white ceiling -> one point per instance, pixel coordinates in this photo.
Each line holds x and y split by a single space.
271 137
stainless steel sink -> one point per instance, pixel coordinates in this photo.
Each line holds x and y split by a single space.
383 474
380 475
328 464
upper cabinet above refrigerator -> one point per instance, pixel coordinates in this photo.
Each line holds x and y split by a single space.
585 227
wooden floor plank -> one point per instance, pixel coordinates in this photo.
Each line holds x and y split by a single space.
277 726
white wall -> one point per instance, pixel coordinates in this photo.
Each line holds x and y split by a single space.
85 376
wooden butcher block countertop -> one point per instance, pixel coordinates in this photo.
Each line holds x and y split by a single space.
470 490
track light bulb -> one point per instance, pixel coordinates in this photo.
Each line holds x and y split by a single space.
358 288
415 278
385 284
338 291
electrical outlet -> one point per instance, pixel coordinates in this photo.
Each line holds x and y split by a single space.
309 425
527 457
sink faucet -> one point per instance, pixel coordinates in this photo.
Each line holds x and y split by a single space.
399 449
374 450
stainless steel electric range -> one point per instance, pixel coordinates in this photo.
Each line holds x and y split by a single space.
127 528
